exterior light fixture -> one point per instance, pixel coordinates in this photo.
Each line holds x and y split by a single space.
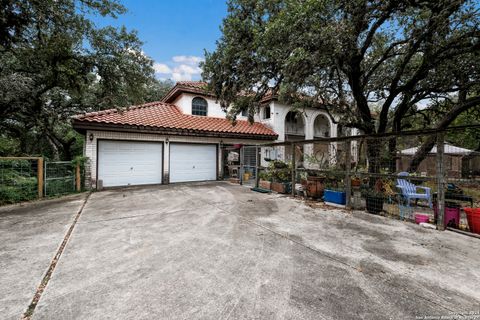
90 137
167 141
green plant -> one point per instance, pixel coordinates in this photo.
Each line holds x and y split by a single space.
265 175
378 190
278 171
79 160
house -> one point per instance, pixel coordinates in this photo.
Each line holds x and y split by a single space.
184 137
459 162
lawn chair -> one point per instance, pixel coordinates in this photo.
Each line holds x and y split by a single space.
409 191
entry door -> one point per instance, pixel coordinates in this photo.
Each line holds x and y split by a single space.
123 163
193 162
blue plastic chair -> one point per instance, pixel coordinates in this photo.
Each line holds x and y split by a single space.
409 191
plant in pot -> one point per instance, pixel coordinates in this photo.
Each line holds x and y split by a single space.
265 180
375 197
281 173
356 182
315 180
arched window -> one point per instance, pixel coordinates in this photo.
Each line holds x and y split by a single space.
199 106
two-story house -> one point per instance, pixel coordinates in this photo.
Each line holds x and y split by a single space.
183 137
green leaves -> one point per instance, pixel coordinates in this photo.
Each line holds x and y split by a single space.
349 55
55 63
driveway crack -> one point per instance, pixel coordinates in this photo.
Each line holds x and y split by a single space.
46 278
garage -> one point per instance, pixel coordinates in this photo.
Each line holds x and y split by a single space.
124 163
193 162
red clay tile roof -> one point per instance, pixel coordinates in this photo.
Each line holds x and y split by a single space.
193 84
159 115
196 87
200 87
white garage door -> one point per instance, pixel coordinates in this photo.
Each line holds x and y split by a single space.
123 163
193 162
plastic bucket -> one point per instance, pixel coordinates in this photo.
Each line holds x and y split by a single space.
473 218
419 218
452 214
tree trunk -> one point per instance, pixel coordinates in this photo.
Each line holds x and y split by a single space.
373 156
427 146
56 153
422 153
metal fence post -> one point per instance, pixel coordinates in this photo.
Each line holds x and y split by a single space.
78 178
294 168
40 176
257 165
348 180
242 165
440 181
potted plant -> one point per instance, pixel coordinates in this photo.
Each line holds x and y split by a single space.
356 182
315 184
375 197
281 175
265 180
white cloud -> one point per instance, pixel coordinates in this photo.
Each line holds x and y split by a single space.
191 60
177 76
161 68
180 68
183 68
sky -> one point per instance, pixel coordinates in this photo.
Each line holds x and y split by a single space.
175 32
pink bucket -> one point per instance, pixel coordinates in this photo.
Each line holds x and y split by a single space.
419 218
452 215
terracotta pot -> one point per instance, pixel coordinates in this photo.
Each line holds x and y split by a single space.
356 182
280 187
264 184
315 186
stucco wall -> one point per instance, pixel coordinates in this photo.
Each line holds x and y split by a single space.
184 102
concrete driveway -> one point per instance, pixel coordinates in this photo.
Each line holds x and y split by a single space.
220 251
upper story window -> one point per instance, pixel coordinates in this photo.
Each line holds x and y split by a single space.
266 112
199 106
244 113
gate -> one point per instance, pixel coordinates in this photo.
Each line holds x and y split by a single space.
59 178
249 163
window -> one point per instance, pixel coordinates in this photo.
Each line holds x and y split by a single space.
266 112
199 106
244 113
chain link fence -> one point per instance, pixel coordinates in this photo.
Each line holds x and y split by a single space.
416 176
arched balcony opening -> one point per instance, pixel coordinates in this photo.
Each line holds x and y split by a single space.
294 131
321 127
294 126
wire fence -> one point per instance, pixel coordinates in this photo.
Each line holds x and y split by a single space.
416 176
29 178
59 178
18 179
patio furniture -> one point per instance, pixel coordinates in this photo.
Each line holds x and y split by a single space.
409 191
233 171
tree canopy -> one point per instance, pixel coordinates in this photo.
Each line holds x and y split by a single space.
55 62
351 56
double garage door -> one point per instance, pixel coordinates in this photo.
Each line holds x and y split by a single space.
123 163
